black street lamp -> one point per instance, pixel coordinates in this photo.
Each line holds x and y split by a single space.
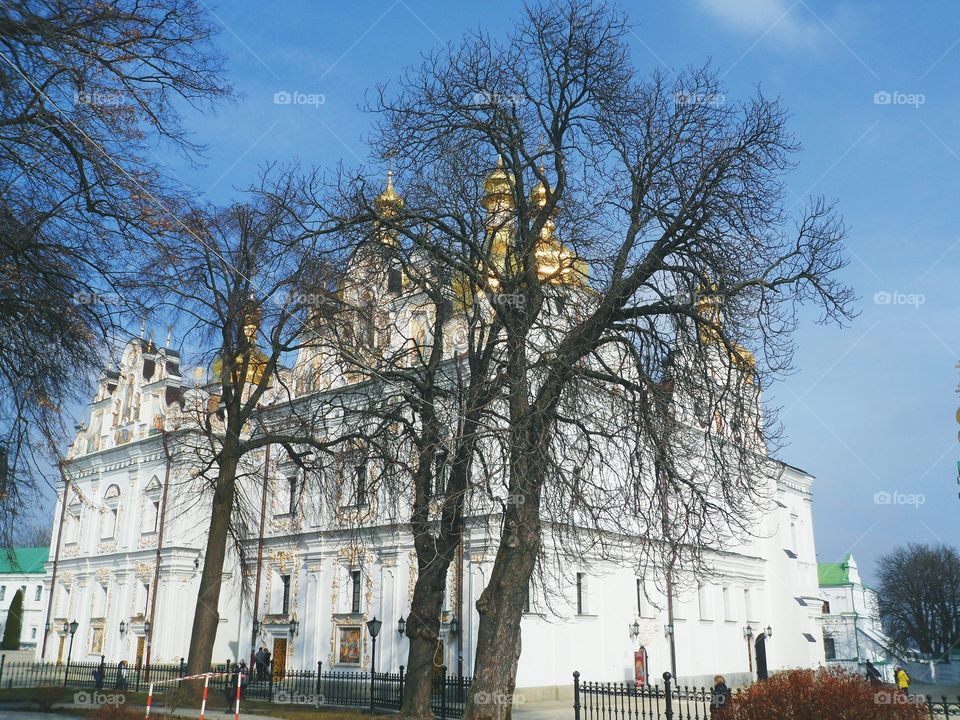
373 626
72 629
748 636
454 627
401 625
123 627
294 627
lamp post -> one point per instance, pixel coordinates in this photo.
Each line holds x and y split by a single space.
634 630
294 628
401 626
123 628
72 629
373 626
748 636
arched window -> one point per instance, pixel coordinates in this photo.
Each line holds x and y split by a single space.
151 507
108 522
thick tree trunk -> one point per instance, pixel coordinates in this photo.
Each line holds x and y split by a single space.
423 629
206 616
501 607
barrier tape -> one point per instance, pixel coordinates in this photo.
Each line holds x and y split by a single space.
203 704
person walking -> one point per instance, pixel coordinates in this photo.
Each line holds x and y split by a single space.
230 686
903 681
260 664
719 697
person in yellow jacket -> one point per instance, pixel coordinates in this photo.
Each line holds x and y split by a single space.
903 680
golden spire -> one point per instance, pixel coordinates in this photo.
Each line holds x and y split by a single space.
498 188
388 203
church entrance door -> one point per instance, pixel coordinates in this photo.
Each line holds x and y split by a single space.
761 648
279 658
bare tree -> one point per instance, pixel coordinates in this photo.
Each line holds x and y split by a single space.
240 280
601 283
87 90
920 598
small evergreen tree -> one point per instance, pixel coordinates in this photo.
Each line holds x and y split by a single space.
11 633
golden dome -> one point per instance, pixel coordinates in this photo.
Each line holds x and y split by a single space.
498 187
388 203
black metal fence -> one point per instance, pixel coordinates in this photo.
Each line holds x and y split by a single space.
272 685
627 701
86 675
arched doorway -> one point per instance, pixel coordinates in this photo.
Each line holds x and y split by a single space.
761 652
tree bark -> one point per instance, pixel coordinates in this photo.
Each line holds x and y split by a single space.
501 608
423 629
206 617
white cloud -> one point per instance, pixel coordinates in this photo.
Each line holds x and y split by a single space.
787 22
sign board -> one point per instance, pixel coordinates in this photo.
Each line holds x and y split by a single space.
640 667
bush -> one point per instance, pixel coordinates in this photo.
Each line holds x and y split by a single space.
824 694
47 697
11 633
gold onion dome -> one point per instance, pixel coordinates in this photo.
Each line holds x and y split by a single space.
498 187
388 203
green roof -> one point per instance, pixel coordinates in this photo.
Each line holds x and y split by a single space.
834 574
18 561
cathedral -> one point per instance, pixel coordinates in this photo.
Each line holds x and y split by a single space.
129 538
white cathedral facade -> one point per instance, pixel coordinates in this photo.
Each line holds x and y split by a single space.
129 538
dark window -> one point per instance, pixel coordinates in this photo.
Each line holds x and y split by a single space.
292 508
580 597
394 280
360 472
826 607
38 593
829 648
639 597
285 579
526 600
355 578
146 598
440 474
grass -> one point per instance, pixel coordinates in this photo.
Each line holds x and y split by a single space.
215 704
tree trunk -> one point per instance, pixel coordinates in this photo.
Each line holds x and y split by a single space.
423 629
501 607
206 616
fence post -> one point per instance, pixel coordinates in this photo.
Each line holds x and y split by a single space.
666 691
401 684
319 670
182 667
443 694
576 695
2 660
270 686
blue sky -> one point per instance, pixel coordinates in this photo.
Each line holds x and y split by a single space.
872 91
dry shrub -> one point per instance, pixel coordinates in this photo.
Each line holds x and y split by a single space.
824 694
47 697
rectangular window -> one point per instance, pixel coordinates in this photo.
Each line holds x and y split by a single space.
581 593
292 504
727 604
37 593
526 600
146 598
642 609
355 595
703 600
360 473
394 280
156 515
109 527
285 579
747 604
825 608
829 648
3 591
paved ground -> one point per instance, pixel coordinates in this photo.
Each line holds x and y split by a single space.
23 715
553 710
